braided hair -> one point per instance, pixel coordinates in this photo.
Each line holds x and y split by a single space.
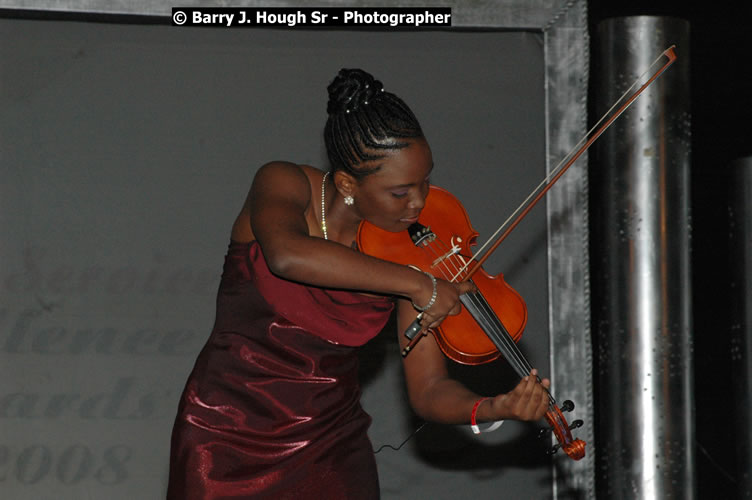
364 122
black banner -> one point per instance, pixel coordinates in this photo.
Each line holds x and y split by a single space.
325 17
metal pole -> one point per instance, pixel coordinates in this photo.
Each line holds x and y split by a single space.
741 330
641 259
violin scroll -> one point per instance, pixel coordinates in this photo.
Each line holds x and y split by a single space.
574 448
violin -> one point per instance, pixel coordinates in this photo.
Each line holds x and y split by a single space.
492 319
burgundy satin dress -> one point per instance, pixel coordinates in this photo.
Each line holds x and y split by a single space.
271 408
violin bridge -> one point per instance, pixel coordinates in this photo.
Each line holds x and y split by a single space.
452 251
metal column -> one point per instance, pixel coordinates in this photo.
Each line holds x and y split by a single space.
641 259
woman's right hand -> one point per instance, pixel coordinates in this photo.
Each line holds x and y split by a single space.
447 300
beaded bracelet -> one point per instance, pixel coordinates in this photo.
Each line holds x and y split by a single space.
474 424
435 293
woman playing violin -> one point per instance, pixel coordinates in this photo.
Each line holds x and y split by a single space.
271 408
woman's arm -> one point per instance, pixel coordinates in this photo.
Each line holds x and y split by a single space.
437 397
280 217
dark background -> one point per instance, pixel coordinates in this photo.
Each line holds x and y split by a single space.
720 49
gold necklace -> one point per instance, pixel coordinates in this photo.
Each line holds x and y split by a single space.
323 205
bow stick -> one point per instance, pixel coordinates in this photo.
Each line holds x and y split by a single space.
535 196
567 162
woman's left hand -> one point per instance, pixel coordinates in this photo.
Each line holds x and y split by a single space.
528 401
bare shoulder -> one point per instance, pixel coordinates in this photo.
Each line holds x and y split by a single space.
282 180
277 185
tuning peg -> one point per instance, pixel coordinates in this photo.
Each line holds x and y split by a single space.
553 449
567 405
576 423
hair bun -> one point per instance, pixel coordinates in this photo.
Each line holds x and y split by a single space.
351 89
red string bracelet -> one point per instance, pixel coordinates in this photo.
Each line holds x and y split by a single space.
474 424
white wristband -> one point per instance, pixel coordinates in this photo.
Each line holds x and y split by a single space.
490 428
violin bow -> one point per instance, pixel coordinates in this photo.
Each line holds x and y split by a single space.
535 196
614 112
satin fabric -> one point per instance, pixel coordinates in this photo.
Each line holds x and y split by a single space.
271 408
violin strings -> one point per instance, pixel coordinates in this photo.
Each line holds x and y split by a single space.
475 307
495 330
498 334
441 249
481 310
501 335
